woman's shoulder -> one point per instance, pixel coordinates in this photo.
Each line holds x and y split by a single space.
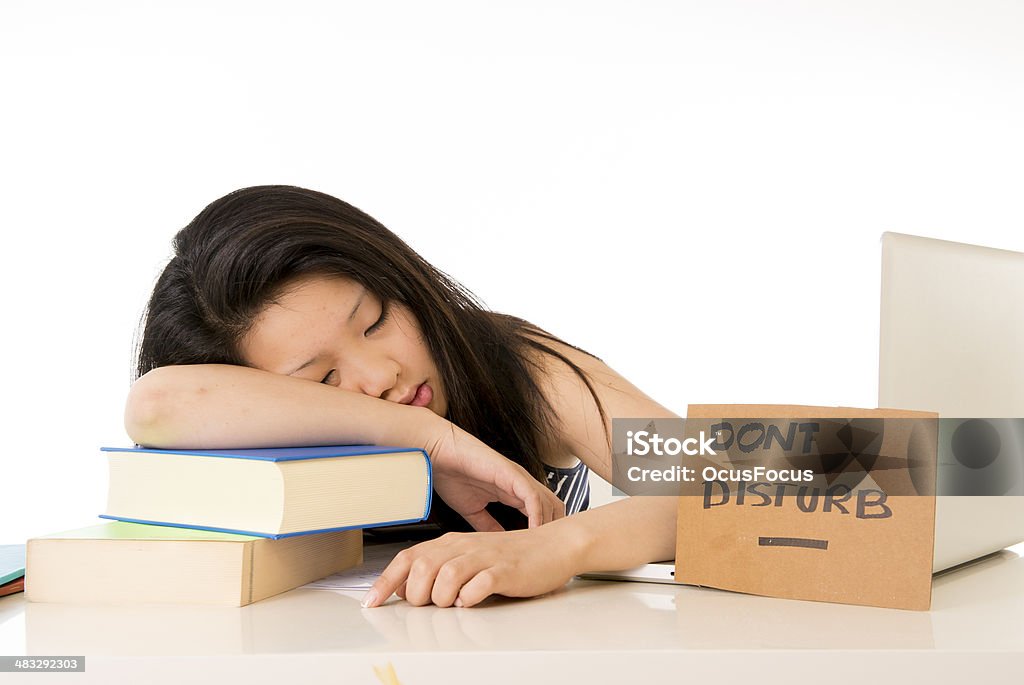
585 401
559 380
550 354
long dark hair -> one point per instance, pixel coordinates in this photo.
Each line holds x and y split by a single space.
237 255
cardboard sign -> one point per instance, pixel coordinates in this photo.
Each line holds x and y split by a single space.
861 532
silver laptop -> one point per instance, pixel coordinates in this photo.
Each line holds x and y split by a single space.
952 342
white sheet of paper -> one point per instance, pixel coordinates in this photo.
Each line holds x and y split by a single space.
375 559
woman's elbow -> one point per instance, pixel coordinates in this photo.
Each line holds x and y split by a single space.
147 409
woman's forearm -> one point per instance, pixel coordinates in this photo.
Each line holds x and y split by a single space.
221 407
620 535
464 569
216 406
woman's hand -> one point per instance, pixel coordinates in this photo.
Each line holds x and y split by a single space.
469 475
463 569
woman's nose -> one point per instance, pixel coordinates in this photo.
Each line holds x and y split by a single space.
373 379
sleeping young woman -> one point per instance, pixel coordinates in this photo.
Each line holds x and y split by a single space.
287 317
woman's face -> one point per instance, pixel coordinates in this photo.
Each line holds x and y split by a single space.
334 331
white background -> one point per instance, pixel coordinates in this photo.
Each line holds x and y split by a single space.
693 191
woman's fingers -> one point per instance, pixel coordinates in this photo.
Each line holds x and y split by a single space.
393 577
539 504
534 506
483 522
420 583
452 577
410 574
431 572
470 475
559 512
463 569
478 588
556 508
517 488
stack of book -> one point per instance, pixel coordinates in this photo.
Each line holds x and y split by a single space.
228 527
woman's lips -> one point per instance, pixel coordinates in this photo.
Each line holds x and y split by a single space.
423 396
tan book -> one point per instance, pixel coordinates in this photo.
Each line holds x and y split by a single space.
119 562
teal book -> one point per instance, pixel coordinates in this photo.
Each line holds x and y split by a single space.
12 563
271 493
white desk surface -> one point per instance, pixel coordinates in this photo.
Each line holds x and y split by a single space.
590 631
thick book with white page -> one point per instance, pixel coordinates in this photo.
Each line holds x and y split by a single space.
270 492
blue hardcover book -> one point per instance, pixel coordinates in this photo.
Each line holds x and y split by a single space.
272 493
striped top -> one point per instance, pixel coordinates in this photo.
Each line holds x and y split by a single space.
571 485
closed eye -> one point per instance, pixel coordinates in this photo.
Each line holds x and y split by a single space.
385 312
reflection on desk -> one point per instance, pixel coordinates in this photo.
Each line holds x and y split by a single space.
979 607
